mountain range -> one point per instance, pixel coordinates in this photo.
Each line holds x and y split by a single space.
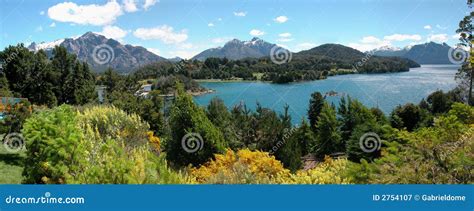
127 58
427 53
237 49
101 52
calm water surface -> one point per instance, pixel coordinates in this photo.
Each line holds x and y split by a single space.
385 91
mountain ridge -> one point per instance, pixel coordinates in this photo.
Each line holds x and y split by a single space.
124 58
236 49
426 53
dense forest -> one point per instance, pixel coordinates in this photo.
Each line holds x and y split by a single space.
72 138
317 63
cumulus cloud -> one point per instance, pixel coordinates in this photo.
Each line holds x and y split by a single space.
256 32
427 27
240 14
305 46
281 19
184 54
92 14
284 37
219 40
130 5
441 27
53 24
113 32
164 33
403 37
210 24
440 38
149 3
369 43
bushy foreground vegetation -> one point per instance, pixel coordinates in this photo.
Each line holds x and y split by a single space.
103 144
129 139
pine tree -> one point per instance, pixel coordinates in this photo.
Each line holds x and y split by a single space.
189 123
328 136
315 105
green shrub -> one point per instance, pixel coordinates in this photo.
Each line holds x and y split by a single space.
54 149
101 145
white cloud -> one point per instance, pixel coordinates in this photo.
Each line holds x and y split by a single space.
256 32
369 43
154 50
42 13
219 19
441 27
240 14
285 37
283 46
164 33
456 36
305 46
130 5
39 29
92 14
210 24
149 3
184 54
402 37
427 27
440 38
281 19
221 40
53 24
113 32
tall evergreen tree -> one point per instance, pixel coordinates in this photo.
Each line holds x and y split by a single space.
328 137
191 127
315 106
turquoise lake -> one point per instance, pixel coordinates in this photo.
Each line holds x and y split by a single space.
385 91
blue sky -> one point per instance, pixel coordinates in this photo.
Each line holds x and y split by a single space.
186 27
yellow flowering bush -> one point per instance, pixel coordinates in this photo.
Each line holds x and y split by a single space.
329 172
154 142
110 122
241 167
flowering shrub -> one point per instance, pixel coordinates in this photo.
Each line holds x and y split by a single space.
69 147
112 123
329 172
241 167
154 142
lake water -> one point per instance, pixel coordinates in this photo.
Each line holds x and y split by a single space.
385 91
